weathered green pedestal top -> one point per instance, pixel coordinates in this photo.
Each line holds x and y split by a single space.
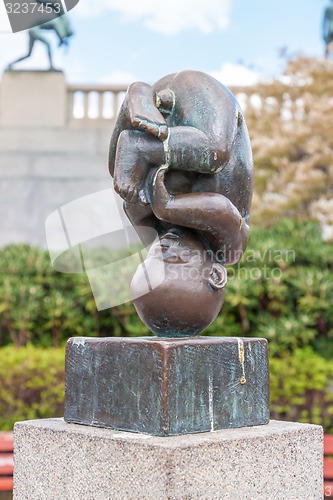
167 387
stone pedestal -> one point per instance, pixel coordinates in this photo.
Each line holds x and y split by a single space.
279 461
33 99
167 387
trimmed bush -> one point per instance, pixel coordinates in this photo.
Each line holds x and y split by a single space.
302 388
281 290
41 306
31 384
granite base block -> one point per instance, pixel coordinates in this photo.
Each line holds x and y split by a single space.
167 387
56 461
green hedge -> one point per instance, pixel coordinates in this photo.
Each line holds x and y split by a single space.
282 290
32 386
302 388
41 306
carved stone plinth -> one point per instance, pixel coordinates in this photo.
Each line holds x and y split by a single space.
167 387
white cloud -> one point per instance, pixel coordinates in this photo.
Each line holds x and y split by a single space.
167 18
236 75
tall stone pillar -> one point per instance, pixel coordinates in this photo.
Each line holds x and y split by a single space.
33 99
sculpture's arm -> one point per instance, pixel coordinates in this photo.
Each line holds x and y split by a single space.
190 149
212 213
137 152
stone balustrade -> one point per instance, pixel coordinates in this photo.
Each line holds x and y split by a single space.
92 104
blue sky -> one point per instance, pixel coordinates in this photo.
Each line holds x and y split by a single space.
125 40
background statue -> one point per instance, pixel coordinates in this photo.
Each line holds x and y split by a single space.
328 28
60 25
181 159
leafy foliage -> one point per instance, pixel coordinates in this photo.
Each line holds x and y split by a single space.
281 290
41 306
301 388
290 129
31 384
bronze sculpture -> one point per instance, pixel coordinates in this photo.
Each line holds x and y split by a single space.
181 159
60 25
328 28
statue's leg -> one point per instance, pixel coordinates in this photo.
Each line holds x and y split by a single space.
39 36
31 46
328 49
49 51
137 152
187 149
139 112
59 32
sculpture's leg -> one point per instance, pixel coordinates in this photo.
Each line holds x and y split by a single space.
31 46
209 212
136 153
48 48
139 112
329 50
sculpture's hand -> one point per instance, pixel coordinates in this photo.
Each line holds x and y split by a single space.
143 112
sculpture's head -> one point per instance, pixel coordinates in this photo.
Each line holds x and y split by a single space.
191 290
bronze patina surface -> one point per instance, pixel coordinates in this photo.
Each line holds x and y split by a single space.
181 159
167 387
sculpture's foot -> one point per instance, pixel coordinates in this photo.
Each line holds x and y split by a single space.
132 192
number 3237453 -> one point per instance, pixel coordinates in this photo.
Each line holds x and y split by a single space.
31 7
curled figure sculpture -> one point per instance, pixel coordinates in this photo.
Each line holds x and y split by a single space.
181 160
